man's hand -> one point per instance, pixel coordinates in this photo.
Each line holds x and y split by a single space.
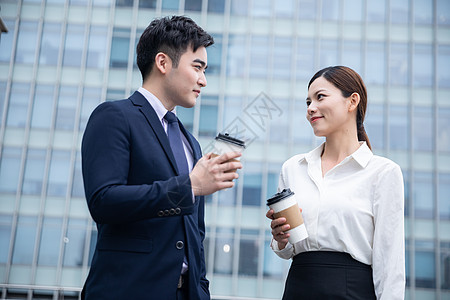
211 174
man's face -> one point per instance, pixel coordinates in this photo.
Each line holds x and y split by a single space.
183 83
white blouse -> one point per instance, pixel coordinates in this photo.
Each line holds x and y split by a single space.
357 208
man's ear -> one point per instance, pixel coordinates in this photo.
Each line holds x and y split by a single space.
353 101
162 62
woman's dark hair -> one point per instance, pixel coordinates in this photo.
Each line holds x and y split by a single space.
349 82
172 36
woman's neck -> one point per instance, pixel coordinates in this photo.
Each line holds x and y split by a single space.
336 149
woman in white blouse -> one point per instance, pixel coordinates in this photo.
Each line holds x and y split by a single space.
351 201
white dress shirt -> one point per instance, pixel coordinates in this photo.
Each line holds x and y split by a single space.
357 208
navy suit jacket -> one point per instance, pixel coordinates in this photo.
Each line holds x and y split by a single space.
146 218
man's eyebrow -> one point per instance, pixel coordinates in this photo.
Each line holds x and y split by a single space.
201 62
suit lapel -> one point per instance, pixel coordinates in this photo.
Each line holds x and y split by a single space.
147 110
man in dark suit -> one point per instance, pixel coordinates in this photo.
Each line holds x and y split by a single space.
145 178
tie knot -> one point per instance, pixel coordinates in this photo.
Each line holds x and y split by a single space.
170 117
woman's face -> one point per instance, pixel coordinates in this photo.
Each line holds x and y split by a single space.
328 110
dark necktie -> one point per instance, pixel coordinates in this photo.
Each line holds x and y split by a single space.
174 134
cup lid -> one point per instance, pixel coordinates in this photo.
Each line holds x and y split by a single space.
227 138
280 196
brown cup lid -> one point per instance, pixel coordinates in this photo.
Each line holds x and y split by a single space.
280 196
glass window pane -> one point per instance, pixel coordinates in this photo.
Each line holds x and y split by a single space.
399 64
208 120
259 54
170 4
239 7
374 125
2 99
215 56
351 55
443 12
216 6
443 129
445 265
281 58
443 66
444 196
77 186
193 5
353 10
97 47
307 9
73 48
24 242
305 59
26 43
375 63
91 98
425 266
398 127
186 116
147 3
252 180
42 107
124 3
329 54
423 11
376 11
224 251
236 59
50 242
10 169
330 10
51 41
34 172
59 173
67 106
74 243
7 41
18 105
261 8
5 236
279 129
399 11
120 48
423 129
424 195
423 65
248 257
286 10
273 266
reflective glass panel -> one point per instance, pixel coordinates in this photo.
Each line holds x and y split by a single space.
73 48
224 251
353 10
375 63
26 43
59 173
399 64
423 128
305 58
307 9
398 127
351 55
18 105
74 242
120 48
5 236
7 41
424 195
97 47
77 184
443 129
34 172
9 169
216 6
399 11
239 7
259 54
281 58
50 241
66 110
374 125
42 106
236 56
261 8
24 242
444 196
50 44
214 56
331 9
423 11
170 4
193 5
147 3
443 12
423 65
248 254
208 120
445 265
425 267
443 66
376 11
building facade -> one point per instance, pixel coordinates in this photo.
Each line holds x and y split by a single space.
61 58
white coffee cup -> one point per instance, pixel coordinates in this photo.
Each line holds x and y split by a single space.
285 205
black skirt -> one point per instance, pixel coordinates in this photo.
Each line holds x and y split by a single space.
328 275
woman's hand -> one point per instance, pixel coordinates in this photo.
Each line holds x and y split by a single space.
278 229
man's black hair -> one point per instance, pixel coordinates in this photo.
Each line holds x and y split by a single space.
172 36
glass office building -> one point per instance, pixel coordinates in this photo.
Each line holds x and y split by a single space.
61 58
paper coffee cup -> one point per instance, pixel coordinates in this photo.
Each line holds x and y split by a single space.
225 143
285 205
